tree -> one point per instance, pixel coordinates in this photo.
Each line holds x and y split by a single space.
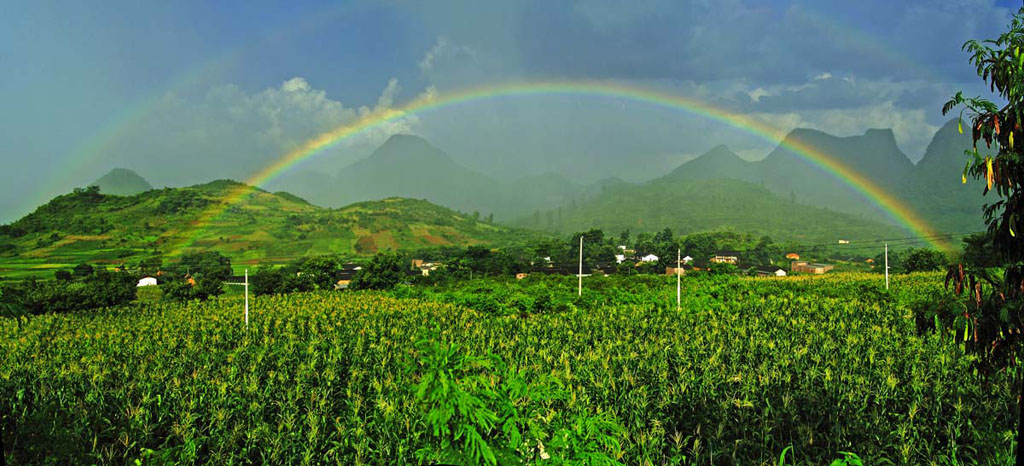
204 288
62 275
624 238
923 260
595 249
979 253
321 271
267 280
700 246
211 264
997 314
764 252
895 261
664 236
83 270
382 273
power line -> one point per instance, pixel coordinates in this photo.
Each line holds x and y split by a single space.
875 243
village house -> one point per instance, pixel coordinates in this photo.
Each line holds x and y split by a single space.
344 276
770 271
147 281
423 267
808 267
649 258
793 256
725 257
682 270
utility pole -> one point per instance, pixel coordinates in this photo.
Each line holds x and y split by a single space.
246 298
246 285
579 291
887 266
679 289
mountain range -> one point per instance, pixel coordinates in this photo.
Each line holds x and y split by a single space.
409 166
932 187
782 195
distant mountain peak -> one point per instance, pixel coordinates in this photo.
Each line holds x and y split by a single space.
950 127
405 140
122 182
718 162
407 147
720 150
945 152
880 133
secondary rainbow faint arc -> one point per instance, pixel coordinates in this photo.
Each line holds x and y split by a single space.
867 188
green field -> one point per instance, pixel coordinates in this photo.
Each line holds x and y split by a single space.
746 369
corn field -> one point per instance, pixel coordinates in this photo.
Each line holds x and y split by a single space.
747 369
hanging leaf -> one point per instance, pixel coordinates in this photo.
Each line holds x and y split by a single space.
1011 139
960 126
988 172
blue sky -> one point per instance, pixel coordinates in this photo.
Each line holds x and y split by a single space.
186 91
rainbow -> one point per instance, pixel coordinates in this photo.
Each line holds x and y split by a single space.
858 182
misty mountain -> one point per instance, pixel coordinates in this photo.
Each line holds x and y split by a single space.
719 162
409 166
122 182
935 190
873 154
931 187
688 206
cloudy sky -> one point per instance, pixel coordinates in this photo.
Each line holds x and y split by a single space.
184 92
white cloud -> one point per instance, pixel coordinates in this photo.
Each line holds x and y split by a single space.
443 51
231 133
387 96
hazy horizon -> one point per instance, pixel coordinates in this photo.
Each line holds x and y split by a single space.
186 92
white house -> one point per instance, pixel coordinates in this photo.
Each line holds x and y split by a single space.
619 258
771 271
147 281
649 258
687 260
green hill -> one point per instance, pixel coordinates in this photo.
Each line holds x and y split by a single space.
88 226
704 205
122 182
